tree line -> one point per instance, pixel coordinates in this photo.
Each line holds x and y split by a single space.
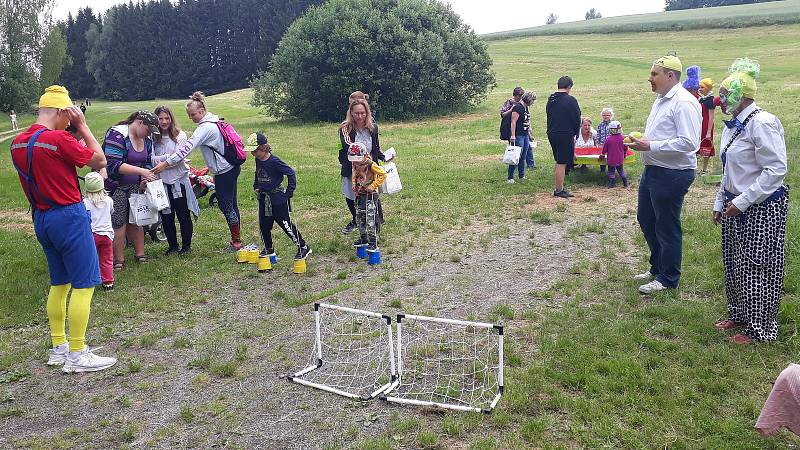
138 51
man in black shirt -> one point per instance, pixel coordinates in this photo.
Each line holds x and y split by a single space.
563 126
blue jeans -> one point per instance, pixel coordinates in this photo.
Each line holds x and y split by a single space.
661 193
525 155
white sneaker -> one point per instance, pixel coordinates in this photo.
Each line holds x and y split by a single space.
510 181
643 276
653 286
58 355
86 361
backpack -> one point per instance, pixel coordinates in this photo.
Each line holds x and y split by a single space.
234 152
505 128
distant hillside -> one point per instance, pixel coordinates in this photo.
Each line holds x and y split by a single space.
738 16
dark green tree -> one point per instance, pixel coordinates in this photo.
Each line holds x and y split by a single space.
413 57
76 76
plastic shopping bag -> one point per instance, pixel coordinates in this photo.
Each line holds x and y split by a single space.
141 212
157 195
511 156
392 183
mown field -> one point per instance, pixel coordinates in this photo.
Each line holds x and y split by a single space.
591 363
719 17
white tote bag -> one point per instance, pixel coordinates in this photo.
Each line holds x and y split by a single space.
157 195
511 156
392 183
141 213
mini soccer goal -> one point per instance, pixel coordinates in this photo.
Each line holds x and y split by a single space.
353 353
447 363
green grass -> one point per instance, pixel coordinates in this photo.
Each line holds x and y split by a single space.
720 17
608 369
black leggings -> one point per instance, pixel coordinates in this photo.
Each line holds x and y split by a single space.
180 208
226 184
280 214
351 205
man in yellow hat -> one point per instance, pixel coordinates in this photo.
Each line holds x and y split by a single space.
45 156
668 148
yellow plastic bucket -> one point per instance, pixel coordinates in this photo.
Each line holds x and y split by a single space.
252 256
242 256
264 264
299 266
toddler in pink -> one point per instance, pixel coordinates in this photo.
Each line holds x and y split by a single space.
614 150
100 207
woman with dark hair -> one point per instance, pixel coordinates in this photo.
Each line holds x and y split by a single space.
182 200
208 138
128 148
358 126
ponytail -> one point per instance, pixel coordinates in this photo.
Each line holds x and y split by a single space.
197 99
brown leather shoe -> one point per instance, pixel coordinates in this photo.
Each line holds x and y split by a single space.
740 339
726 325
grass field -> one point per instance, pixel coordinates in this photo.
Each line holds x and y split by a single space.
591 363
725 17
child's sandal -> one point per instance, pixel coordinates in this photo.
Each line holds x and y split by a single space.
141 259
119 265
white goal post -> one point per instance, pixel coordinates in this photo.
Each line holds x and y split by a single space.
353 353
446 363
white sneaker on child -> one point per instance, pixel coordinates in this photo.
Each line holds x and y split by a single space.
86 361
510 181
58 355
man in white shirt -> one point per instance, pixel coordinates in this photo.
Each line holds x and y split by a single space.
752 206
668 147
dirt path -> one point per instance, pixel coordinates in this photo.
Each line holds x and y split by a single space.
158 398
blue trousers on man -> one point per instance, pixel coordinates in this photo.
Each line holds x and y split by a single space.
661 193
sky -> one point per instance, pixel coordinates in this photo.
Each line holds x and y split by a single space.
485 16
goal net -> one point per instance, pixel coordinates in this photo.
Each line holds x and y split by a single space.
447 363
353 353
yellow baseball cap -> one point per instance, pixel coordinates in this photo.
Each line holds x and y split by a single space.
670 62
55 97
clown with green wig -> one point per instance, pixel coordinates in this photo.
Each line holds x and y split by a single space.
752 206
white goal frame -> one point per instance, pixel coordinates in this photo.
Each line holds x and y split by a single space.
320 356
395 393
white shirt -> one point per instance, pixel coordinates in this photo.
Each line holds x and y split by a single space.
673 128
162 150
101 217
591 142
755 162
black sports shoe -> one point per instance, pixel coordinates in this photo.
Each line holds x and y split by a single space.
349 228
302 252
267 252
372 247
359 242
108 287
562 193
172 251
185 250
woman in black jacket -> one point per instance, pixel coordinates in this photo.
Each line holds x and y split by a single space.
358 126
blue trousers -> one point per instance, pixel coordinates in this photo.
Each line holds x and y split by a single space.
65 233
661 193
526 155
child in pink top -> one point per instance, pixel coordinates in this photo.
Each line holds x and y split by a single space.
614 151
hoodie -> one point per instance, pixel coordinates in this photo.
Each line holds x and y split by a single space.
563 114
